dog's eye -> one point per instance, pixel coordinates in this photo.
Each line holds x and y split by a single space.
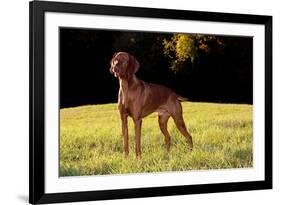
115 62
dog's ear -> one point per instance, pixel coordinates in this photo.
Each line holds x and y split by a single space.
133 66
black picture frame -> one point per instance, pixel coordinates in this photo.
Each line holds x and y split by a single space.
37 10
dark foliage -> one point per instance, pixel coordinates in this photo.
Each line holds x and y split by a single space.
221 75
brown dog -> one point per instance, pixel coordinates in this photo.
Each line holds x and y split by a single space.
138 99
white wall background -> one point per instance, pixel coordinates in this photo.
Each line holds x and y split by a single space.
14 43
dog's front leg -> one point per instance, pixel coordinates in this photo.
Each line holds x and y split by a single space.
124 119
138 123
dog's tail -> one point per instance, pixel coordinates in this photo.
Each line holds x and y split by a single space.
182 99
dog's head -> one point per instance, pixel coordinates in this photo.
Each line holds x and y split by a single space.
123 65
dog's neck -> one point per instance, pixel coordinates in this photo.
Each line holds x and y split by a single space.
126 83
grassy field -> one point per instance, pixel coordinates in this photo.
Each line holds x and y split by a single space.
91 142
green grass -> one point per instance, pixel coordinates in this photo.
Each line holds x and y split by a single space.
91 142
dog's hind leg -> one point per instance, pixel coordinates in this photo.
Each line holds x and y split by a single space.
163 118
177 116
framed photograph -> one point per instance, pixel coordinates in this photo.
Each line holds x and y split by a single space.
141 102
